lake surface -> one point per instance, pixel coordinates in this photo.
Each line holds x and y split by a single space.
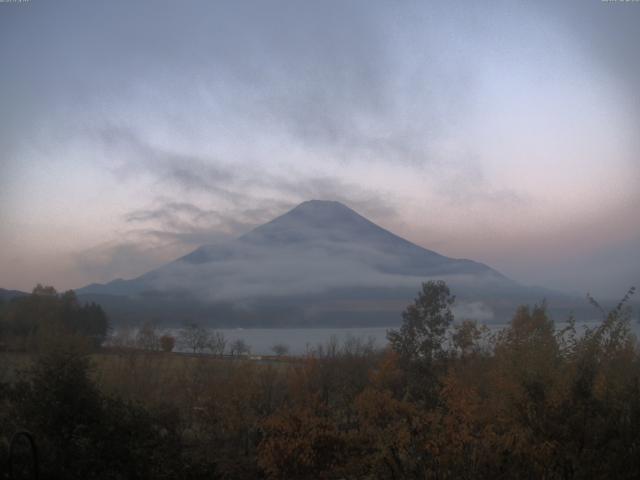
301 340
298 340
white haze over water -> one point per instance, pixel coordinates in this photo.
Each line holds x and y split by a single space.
304 340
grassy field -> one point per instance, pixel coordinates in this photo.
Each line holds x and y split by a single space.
157 377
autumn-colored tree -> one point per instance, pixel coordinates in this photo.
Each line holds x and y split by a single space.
230 414
301 442
167 343
391 434
467 337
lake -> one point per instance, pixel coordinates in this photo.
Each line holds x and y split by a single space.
300 340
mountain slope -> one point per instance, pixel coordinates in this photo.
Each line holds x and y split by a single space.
316 246
6 295
319 262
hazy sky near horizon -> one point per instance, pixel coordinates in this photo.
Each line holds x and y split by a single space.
507 132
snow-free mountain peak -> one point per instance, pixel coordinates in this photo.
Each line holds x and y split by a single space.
316 239
315 219
320 256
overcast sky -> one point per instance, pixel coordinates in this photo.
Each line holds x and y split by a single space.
132 132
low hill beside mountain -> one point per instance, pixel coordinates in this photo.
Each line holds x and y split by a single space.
6 295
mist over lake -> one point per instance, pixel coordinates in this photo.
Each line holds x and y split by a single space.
301 341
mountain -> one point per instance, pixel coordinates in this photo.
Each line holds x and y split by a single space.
321 263
6 295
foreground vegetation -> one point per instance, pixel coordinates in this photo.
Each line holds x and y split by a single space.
445 400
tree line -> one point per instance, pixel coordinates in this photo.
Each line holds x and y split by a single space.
192 338
28 322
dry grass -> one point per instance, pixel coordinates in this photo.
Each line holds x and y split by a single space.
155 378
11 363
